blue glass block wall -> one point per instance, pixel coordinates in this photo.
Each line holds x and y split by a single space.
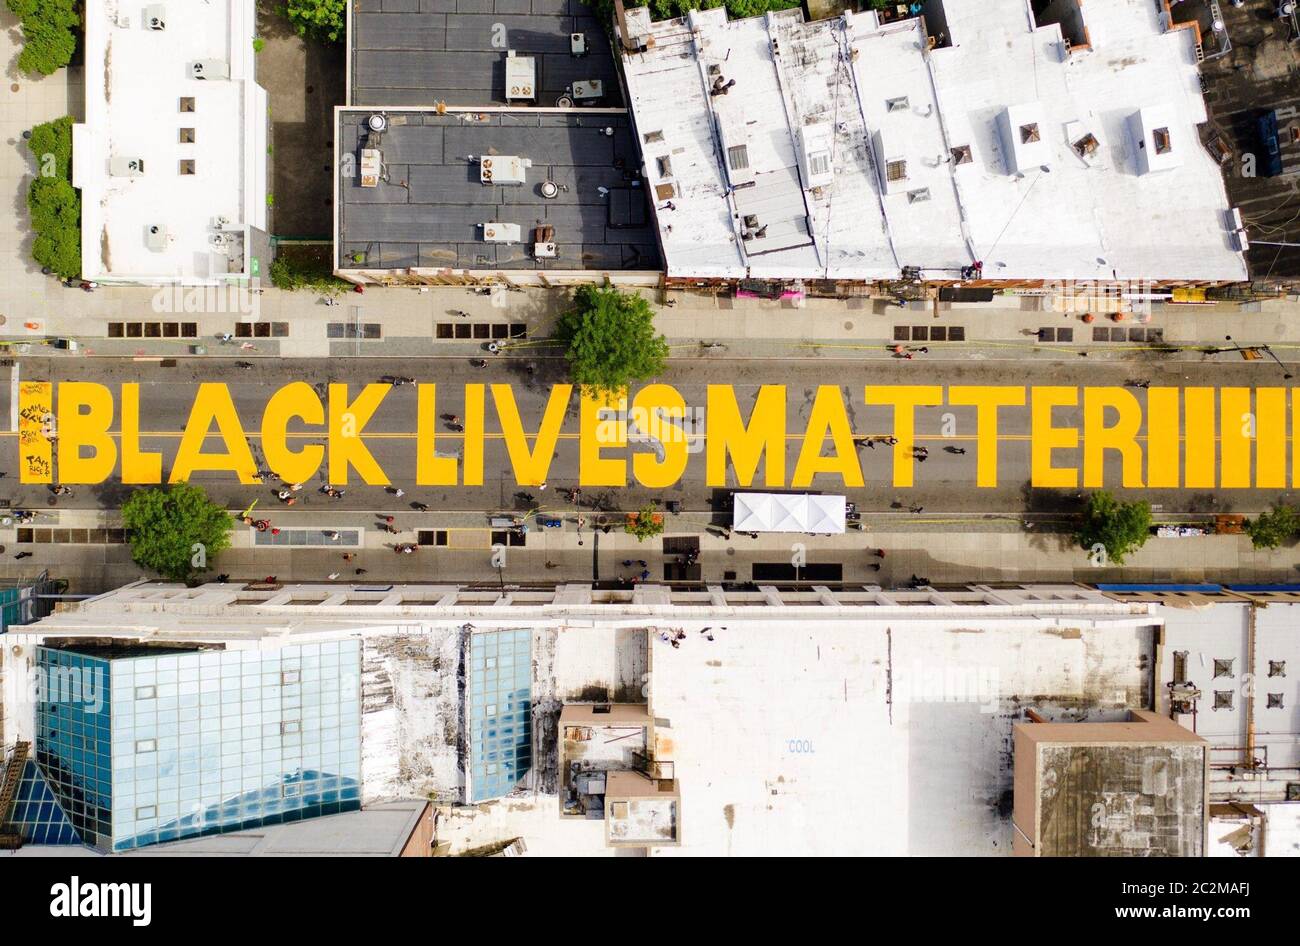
73 714
217 741
499 711
37 814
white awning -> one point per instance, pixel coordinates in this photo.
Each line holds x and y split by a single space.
788 512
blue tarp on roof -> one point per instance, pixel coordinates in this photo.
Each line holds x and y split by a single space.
1202 588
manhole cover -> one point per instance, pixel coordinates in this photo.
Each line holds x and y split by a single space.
848 326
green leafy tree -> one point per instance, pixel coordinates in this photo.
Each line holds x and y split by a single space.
59 252
1270 529
49 37
671 9
53 204
319 19
645 524
177 532
610 340
1119 528
293 272
53 139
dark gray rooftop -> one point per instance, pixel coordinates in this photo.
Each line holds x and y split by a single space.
428 211
419 52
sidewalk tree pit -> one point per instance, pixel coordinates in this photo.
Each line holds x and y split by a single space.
645 524
176 531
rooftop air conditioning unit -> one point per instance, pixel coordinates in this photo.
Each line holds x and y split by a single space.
371 167
503 169
494 232
578 44
544 251
377 122
209 69
586 89
126 167
155 237
521 77
155 16
550 189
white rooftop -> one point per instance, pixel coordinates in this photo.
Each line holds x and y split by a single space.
940 157
157 225
1242 704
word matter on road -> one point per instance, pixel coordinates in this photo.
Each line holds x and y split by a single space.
1164 437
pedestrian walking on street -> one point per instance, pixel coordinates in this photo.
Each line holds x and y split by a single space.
388 519
348 556
874 566
399 493
645 575
360 571
333 575
627 563
916 509
551 565
23 555
421 507
332 535
879 553
541 486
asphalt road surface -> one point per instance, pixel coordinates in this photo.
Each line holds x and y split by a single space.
944 482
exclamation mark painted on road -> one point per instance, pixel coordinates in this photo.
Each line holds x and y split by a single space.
1234 438
1270 438
35 424
1198 428
1162 438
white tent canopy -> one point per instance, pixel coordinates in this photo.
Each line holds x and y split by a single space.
788 512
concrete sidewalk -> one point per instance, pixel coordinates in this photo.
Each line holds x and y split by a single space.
997 552
407 325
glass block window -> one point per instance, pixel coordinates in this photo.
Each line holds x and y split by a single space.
37 814
225 742
499 710
73 715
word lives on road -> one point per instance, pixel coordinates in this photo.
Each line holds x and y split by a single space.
1193 437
